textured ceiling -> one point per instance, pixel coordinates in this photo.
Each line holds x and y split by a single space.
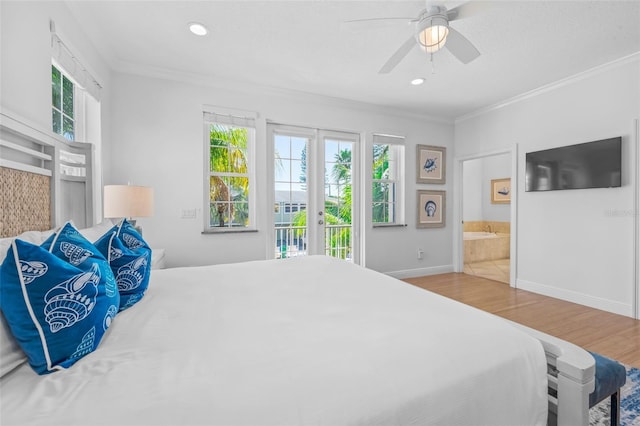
304 46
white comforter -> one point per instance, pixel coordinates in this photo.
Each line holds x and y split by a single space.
304 341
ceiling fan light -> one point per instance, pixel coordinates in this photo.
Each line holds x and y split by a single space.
433 38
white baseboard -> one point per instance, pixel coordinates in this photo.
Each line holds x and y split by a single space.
411 273
576 297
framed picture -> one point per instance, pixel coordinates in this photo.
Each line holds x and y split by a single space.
431 209
501 191
432 161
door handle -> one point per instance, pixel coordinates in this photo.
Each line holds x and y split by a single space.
320 222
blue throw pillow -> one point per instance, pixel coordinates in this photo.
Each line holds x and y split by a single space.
57 311
130 259
70 245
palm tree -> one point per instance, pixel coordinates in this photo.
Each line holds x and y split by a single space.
303 166
380 190
341 174
337 211
228 155
341 171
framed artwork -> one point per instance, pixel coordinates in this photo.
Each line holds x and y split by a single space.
431 209
501 191
431 164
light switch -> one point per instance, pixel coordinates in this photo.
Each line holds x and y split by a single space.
188 214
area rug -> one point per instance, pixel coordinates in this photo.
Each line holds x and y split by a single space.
629 403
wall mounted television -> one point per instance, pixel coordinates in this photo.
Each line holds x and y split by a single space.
594 164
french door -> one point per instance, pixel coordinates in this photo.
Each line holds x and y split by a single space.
315 192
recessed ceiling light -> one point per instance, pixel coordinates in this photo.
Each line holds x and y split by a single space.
198 29
417 81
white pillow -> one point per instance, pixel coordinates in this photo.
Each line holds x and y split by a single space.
95 232
34 237
5 243
37 237
11 355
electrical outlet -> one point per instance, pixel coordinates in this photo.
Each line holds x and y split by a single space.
420 253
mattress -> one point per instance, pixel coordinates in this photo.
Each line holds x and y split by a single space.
301 341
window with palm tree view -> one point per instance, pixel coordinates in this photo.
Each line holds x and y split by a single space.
230 176
387 183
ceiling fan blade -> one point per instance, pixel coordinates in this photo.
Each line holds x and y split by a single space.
460 47
373 23
398 56
467 9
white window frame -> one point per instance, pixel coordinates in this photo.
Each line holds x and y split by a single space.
78 117
397 150
234 118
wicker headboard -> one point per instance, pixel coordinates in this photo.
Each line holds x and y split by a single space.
44 179
26 202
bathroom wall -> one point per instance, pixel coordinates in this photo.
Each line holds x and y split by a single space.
472 190
477 175
495 167
487 225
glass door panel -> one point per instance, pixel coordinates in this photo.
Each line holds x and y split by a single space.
314 187
291 197
338 208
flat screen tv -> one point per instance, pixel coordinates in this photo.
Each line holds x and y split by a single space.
586 165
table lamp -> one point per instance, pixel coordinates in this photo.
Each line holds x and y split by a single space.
128 201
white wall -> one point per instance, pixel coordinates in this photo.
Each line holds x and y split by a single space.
494 167
477 176
158 141
25 68
472 190
152 135
569 244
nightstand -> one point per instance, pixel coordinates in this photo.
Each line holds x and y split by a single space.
158 259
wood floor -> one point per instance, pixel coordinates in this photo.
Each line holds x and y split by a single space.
612 335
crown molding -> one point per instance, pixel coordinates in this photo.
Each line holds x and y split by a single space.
634 57
250 88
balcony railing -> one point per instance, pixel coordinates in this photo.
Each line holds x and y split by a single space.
291 241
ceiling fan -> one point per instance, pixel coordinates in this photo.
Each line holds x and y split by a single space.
432 32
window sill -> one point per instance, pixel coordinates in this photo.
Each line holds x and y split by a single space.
228 230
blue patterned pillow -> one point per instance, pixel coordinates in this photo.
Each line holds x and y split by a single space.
70 245
130 259
57 311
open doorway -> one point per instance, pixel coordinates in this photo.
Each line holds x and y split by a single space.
486 217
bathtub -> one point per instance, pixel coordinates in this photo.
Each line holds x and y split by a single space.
484 246
478 235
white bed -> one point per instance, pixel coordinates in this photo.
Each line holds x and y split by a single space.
286 342
310 340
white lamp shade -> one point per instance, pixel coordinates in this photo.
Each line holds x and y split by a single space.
127 201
